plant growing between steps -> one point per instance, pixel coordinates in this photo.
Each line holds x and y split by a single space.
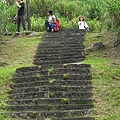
65 76
51 94
65 65
37 75
51 81
64 87
35 101
50 107
50 70
37 88
64 100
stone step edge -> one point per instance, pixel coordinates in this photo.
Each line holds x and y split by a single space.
42 81
54 69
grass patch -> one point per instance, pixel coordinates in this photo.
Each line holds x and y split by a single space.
15 53
106 81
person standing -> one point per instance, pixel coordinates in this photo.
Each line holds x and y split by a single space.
20 15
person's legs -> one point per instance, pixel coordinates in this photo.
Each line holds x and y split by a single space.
47 25
18 23
23 22
52 27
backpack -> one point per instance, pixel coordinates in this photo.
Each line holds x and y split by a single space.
57 26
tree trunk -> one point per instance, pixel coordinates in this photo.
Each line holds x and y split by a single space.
28 14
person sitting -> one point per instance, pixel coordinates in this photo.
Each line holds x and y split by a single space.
50 23
82 24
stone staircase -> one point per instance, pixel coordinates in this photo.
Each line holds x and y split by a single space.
59 86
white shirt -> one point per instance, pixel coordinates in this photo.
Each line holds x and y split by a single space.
81 24
50 18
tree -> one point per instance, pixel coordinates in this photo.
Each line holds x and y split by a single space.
28 14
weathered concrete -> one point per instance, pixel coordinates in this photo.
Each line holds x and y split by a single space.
59 86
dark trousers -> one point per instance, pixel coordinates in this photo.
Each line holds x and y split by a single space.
20 19
51 26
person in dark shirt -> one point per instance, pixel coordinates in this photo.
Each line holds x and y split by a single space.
20 14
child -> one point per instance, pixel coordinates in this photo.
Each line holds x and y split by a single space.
82 24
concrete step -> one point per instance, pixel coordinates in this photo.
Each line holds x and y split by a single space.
43 67
53 70
76 118
55 77
60 47
60 52
50 114
59 41
64 61
55 82
51 88
49 94
59 58
49 107
51 101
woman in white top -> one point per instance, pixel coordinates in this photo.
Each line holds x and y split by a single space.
50 23
82 24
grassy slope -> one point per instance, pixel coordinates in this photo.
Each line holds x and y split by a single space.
14 53
106 78
18 52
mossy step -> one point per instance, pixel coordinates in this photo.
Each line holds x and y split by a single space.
43 67
53 70
61 41
53 42
61 47
51 88
64 34
64 61
75 118
48 94
51 101
61 52
48 77
49 107
50 114
59 57
55 82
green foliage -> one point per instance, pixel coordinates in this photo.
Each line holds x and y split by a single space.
95 9
6 17
37 23
95 25
99 14
113 8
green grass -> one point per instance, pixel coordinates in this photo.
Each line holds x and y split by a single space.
106 81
